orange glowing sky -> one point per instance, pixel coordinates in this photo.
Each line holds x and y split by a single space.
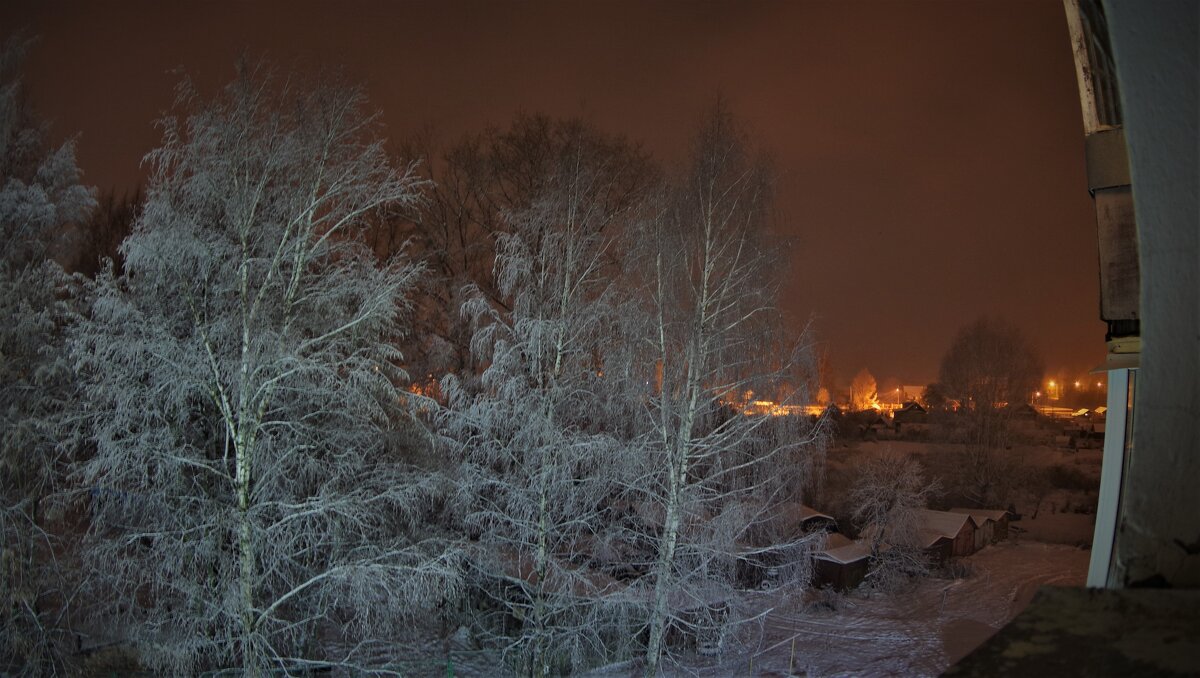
930 155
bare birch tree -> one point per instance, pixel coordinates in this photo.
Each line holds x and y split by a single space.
542 459
711 309
40 194
249 501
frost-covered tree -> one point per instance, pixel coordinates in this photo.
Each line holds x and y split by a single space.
40 195
480 181
887 494
710 313
542 437
250 499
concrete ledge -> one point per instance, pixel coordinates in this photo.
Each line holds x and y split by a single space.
1095 632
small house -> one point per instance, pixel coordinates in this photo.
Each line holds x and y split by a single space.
910 413
1022 411
911 419
877 427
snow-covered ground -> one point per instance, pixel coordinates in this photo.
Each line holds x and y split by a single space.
918 632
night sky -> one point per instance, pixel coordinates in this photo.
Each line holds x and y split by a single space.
930 155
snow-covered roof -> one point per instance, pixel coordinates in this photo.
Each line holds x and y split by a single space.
943 523
978 516
850 553
930 537
808 513
787 518
835 539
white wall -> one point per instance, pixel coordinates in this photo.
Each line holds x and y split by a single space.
1158 71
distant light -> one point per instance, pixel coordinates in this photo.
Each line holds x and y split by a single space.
1076 384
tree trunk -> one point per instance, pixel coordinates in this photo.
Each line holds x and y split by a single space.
246 565
662 580
666 552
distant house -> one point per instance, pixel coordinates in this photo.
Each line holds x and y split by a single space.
841 567
911 412
1022 411
991 525
911 418
833 410
876 427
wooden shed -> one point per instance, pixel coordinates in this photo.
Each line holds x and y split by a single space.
842 567
991 525
957 527
937 548
770 548
812 520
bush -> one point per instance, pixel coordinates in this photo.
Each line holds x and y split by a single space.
1068 478
825 599
957 569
